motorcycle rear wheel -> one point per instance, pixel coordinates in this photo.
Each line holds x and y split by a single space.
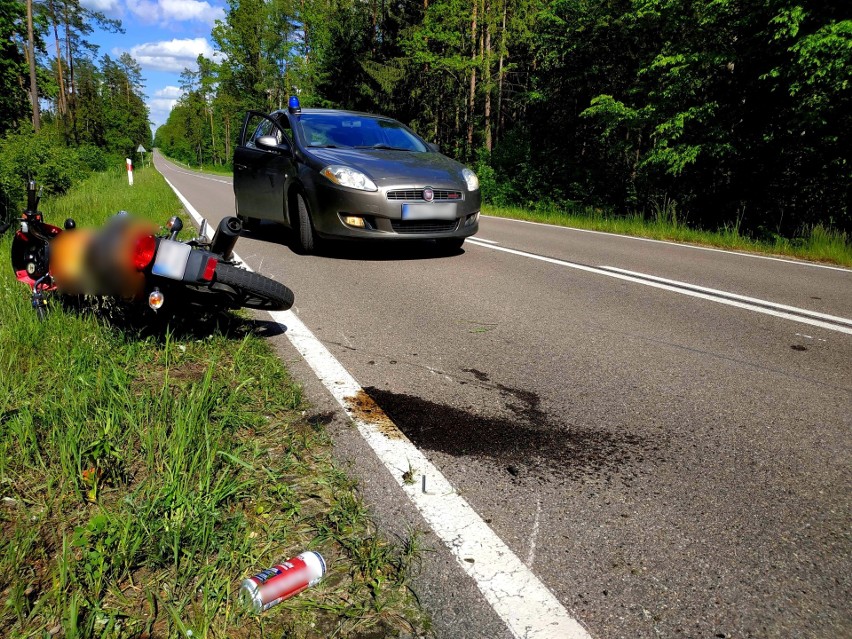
253 290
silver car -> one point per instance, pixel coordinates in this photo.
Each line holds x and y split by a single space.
346 175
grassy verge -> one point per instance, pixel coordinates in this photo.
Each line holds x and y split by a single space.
818 243
142 477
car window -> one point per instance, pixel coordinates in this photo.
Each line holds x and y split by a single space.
260 126
343 130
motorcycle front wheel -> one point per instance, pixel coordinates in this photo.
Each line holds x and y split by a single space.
252 290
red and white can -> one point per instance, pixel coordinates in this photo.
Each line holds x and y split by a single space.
273 585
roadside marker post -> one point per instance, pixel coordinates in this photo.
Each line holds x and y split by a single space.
129 171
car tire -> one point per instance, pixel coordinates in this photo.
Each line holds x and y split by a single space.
306 239
450 245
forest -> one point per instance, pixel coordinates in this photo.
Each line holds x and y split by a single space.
65 110
722 113
715 113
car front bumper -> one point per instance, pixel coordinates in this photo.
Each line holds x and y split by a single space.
392 219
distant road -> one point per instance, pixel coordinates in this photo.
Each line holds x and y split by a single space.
661 432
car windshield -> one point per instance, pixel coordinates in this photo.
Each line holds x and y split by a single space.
348 131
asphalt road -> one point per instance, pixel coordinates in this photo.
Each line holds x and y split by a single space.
669 466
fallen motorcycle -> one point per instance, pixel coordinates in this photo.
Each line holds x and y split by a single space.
129 260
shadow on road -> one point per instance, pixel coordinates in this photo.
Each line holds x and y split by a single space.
361 250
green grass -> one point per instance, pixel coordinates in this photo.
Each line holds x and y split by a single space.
141 478
817 243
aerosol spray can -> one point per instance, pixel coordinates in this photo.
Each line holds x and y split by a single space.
273 585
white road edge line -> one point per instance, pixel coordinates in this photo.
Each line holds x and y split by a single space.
682 245
646 280
526 606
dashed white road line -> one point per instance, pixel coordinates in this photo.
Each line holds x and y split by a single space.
821 320
526 606
678 244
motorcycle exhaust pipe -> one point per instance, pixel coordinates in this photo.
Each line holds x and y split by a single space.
226 236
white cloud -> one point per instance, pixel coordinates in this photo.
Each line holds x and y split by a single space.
170 55
162 103
159 109
109 7
147 11
168 92
168 11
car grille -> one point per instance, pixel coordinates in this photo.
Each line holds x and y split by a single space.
417 194
423 226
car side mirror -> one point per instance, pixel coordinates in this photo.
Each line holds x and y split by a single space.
433 147
270 143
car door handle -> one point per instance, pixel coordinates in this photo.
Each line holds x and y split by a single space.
242 167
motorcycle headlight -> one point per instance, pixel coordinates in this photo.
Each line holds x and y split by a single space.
348 177
471 179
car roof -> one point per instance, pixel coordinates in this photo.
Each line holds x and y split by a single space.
335 112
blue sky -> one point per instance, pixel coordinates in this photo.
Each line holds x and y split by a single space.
164 36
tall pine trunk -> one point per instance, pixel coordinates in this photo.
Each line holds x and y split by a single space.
72 89
31 57
500 73
62 99
487 79
472 98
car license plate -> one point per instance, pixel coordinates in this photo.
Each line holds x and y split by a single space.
171 259
429 211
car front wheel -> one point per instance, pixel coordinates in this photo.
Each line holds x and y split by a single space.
305 237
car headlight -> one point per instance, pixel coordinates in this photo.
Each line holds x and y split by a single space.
345 176
471 179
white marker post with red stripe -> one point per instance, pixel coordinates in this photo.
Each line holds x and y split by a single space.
129 171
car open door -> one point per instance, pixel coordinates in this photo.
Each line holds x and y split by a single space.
262 170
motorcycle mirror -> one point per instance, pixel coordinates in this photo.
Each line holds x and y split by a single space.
174 225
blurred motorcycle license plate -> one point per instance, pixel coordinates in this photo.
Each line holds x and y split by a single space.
429 211
171 259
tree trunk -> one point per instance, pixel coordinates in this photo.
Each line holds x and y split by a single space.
31 56
227 136
487 79
500 73
212 138
72 89
472 97
62 100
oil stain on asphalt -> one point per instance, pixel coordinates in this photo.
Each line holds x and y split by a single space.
525 444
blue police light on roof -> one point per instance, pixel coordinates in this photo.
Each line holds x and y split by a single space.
293 105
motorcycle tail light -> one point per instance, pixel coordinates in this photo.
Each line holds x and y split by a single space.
156 299
210 269
143 252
